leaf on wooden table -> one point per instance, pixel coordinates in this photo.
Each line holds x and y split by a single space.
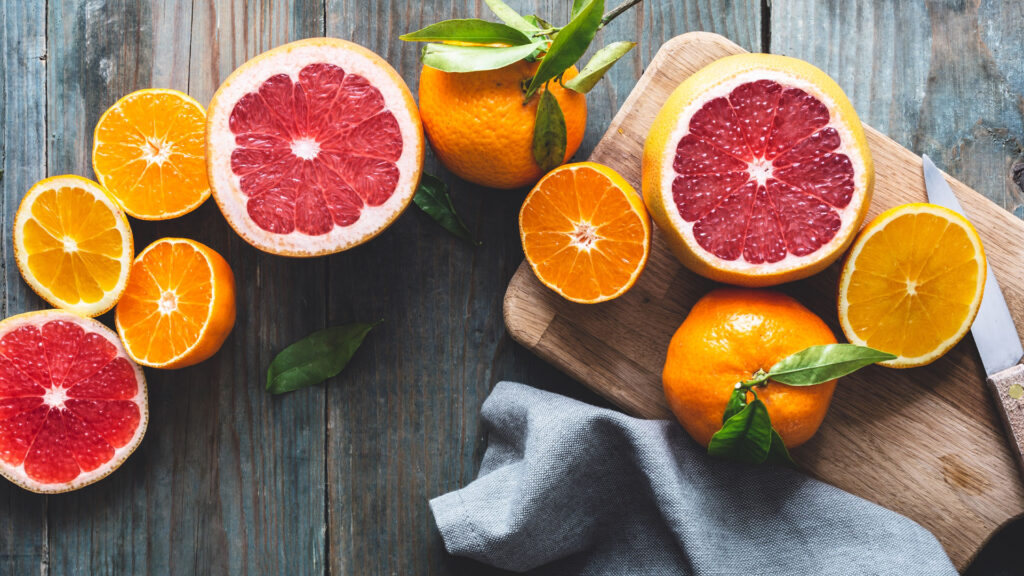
599 63
316 357
569 45
549 133
432 197
474 58
468 30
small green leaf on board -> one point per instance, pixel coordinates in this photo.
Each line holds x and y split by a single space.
469 30
549 133
316 357
432 197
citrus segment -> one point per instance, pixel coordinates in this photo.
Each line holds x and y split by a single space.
313 147
149 152
179 306
72 405
585 232
912 283
73 244
758 170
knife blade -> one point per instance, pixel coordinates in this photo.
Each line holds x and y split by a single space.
994 331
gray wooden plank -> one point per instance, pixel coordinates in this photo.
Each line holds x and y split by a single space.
403 419
940 77
23 524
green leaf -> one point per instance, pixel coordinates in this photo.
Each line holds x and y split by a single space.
315 358
432 197
570 44
601 61
577 5
468 30
474 58
777 452
510 16
737 402
537 21
819 364
549 134
746 437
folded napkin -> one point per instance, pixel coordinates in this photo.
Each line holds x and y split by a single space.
566 488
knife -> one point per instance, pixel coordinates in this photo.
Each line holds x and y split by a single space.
993 330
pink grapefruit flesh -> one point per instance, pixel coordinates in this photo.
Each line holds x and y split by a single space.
313 147
72 404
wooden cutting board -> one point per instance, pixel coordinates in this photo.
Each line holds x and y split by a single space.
925 442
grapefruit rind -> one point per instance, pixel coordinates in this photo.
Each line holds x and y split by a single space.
21 255
291 58
672 123
850 266
102 177
189 356
16 474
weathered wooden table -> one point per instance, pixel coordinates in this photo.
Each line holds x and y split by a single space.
335 479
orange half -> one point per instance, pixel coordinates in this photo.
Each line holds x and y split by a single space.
179 305
585 232
149 151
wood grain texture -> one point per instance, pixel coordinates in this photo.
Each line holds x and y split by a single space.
925 442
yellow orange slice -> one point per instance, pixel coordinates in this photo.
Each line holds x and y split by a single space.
179 306
912 283
73 245
585 232
149 151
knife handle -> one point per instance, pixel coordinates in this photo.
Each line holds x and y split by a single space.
1008 390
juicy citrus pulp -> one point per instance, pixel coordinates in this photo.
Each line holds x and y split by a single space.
149 149
758 170
480 129
585 232
72 405
179 306
912 283
729 335
313 147
73 244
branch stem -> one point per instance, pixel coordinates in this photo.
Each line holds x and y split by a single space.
615 12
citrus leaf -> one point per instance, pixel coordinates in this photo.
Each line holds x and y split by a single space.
432 197
599 63
746 437
570 44
577 5
819 364
474 58
468 30
537 21
549 134
316 357
737 402
777 452
509 16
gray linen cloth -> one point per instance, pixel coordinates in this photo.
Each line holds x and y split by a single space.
566 488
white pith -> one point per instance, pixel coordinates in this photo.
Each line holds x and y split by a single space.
17 474
221 143
760 172
21 255
858 246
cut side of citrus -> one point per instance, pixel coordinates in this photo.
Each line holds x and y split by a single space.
585 232
73 244
179 306
148 150
313 147
758 170
72 404
912 283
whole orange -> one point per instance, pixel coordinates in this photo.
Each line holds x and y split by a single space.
482 131
728 336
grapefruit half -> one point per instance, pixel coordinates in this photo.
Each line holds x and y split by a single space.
313 147
757 170
72 404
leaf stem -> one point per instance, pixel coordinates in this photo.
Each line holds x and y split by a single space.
615 12
759 379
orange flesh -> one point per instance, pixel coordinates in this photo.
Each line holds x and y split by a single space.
73 245
582 234
167 302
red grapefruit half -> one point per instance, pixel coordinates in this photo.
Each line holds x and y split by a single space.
72 404
313 147
757 170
